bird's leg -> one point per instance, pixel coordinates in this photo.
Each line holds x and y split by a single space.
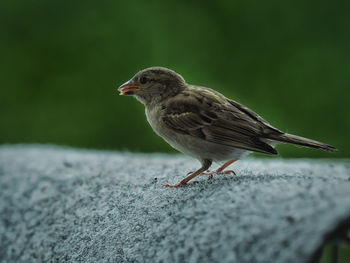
220 170
205 166
224 166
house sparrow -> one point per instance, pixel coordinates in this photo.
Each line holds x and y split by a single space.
203 123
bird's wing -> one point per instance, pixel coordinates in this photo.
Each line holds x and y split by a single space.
214 118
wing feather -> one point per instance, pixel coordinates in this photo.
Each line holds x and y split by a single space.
230 124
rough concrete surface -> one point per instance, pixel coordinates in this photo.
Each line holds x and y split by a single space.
68 205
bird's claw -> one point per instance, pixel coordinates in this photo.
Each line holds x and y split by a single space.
210 174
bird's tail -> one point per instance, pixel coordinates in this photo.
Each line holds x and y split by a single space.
290 138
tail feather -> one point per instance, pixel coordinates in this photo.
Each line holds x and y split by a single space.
294 139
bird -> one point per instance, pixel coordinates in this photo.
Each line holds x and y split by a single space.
203 123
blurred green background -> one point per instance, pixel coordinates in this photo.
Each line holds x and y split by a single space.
62 61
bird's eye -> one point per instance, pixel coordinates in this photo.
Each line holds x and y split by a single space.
143 80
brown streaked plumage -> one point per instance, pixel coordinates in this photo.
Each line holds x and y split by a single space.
203 123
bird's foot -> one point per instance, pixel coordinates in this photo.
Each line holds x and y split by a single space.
211 173
218 172
180 184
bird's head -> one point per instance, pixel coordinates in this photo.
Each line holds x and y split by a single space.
152 85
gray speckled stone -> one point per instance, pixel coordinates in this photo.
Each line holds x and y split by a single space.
67 205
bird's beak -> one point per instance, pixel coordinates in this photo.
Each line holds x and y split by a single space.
129 88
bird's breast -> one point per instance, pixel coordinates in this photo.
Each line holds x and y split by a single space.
176 140
154 119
